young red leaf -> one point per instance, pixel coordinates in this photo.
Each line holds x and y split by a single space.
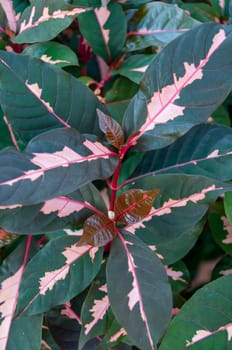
98 231
134 205
111 129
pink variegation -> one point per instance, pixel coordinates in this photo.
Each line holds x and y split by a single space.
162 106
8 300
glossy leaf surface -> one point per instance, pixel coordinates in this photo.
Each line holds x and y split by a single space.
112 130
156 24
134 205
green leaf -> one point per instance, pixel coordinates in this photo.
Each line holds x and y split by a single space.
156 24
178 276
48 169
37 96
108 30
223 267
112 130
221 231
44 20
204 321
202 12
134 67
205 150
172 226
177 94
96 315
53 214
134 205
228 206
53 53
21 334
138 290
60 271
119 96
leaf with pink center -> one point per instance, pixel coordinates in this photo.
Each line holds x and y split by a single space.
168 103
148 308
61 270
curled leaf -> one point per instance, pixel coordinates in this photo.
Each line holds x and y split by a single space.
134 205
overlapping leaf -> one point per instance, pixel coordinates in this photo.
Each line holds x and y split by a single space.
134 67
138 290
44 19
228 206
37 96
156 24
108 30
53 214
177 94
54 164
96 314
172 225
204 321
61 270
205 150
53 53
10 278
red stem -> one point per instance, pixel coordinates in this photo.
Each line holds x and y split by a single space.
28 245
114 185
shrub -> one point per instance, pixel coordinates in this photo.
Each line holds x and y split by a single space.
116 169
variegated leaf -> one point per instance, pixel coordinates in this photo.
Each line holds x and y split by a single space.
116 335
156 24
48 169
223 267
134 67
174 94
8 8
95 313
200 324
61 270
108 30
44 19
98 231
134 205
6 238
112 130
228 206
53 214
11 273
221 230
143 312
207 152
53 53
175 218
47 97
